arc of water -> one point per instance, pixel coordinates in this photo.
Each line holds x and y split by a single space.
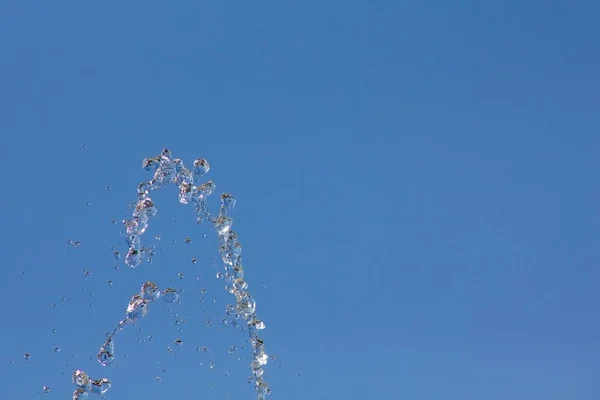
172 171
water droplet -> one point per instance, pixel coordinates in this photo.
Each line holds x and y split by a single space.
133 258
87 272
143 209
188 240
179 342
150 164
110 283
106 355
223 224
194 261
204 190
81 380
201 167
74 243
166 153
56 349
100 386
262 359
170 295
185 193
246 306
80 394
137 308
150 291
258 324
46 389
227 201
180 275
27 356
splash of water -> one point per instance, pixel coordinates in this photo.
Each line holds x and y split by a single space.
167 170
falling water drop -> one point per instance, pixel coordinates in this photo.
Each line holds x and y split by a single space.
223 224
227 202
106 355
151 164
170 295
100 386
150 291
133 258
201 168
80 394
137 308
81 380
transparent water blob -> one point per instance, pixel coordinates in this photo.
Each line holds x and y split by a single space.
262 359
81 380
170 295
246 306
133 258
137 308
100 386
257 324
223 224
201 167
227 201
204 190
185 193
106 355
150 291
131 227
182 174
80 394
151 164
164 174
145 208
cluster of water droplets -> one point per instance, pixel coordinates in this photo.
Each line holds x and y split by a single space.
231 254
86 385
137 308
167 170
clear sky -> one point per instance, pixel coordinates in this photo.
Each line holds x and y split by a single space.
418 189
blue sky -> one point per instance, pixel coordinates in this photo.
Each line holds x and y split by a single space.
418 195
